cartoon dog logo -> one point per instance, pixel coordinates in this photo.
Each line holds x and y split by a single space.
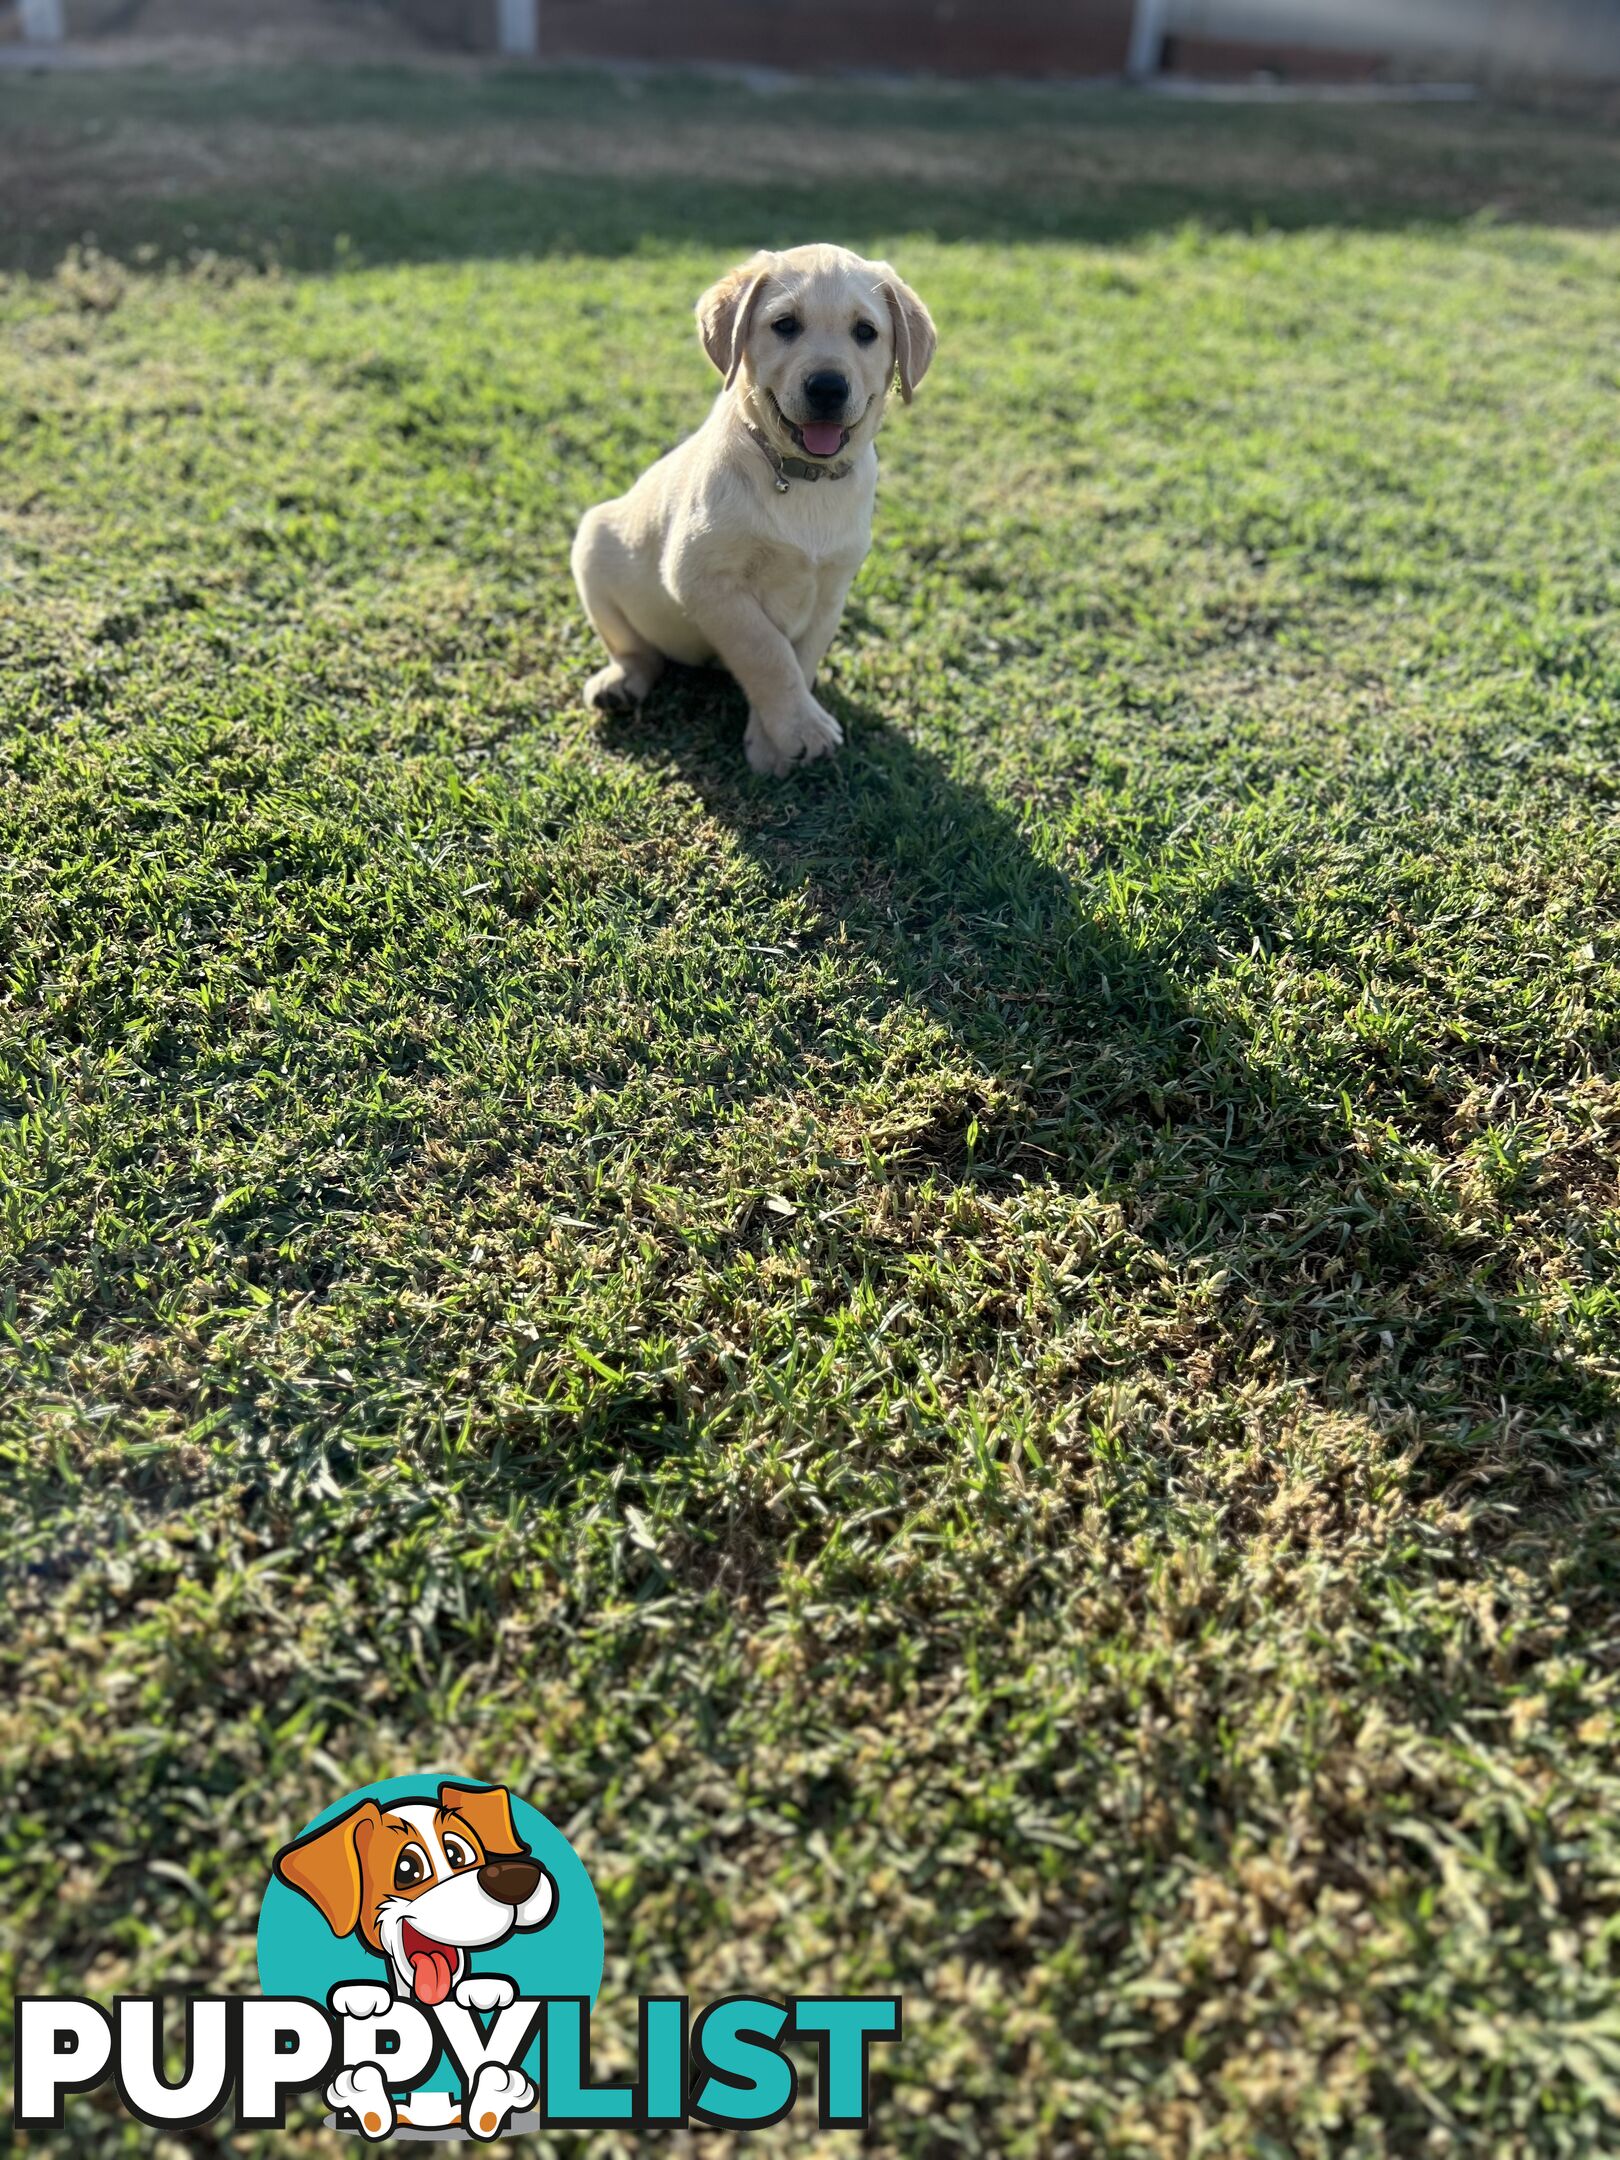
423 1883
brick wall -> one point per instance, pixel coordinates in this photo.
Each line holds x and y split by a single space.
955 37
469 24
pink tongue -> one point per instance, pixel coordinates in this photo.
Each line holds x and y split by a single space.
822 439
432 1972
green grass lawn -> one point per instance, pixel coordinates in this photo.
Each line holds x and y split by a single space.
991 1373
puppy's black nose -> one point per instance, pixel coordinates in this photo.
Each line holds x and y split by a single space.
509 1882
826 391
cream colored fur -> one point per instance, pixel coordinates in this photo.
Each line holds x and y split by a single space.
704 559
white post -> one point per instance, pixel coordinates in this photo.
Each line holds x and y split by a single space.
517 26
1147 39
44 22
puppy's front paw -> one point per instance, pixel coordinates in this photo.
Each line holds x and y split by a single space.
761 753
485 1991
361 1999
777 745
497 2093
362 2093
814 732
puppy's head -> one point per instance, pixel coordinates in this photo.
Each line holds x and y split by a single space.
812 339
423 1882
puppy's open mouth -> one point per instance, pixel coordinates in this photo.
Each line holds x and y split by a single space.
816 438
433 1964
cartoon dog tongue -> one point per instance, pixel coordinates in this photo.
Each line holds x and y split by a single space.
433 1967
821 438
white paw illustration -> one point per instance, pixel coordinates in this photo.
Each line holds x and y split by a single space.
361 1999
364 2095
497 2093
791 739
485 1991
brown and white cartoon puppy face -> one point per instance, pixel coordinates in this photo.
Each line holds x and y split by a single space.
423 1882
813 337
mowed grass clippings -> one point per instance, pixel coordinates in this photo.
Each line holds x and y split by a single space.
991 1374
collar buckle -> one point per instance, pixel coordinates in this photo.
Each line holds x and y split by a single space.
787 469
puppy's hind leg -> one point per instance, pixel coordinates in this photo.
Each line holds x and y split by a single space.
634 665
633 669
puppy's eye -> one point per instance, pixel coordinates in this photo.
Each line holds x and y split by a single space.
456 1853
865 333
786 326
410 1868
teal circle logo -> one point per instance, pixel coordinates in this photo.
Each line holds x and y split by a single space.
421 1884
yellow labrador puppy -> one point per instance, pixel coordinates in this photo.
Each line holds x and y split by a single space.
740 545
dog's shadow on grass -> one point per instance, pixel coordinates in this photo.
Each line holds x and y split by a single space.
1104 1073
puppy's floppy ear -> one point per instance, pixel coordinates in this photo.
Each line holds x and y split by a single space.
914 334
724 312
487 1814
325 1866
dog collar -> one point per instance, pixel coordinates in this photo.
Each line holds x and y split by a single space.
794 468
